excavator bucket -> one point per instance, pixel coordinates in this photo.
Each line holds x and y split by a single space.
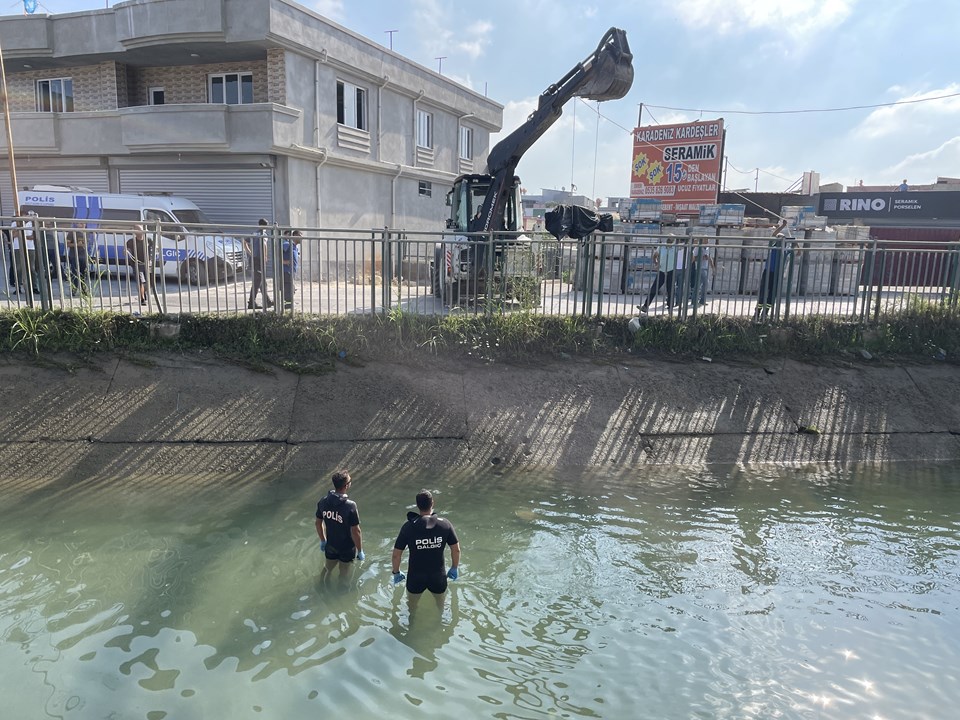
612 68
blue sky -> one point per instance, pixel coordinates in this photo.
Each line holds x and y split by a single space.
717 56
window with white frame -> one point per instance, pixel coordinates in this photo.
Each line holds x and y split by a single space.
424 129
55 95
425 189
466 143
230 88
351 105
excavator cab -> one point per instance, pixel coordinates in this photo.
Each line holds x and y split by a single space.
466 201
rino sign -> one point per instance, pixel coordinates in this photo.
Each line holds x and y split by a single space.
896 206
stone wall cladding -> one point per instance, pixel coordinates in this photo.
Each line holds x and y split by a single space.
110 85
123 94
87 90
188 83
276 76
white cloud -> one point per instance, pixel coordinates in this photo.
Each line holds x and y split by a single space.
929 165
795 18
441 35
895 120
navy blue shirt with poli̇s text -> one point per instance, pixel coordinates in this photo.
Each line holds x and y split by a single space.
426 536
339 514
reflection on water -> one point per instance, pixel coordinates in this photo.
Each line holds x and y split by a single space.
722 594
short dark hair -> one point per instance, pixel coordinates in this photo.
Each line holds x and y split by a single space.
263 221
424 500
340 479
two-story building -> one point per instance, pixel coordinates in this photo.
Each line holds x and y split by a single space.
250 108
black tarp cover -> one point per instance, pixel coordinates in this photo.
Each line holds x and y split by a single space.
575 221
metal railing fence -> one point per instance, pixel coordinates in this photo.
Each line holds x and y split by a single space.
71 265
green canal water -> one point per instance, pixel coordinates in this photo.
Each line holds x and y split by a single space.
777 593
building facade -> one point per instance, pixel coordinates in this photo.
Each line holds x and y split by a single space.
250 108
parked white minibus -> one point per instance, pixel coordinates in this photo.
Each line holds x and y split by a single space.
191 247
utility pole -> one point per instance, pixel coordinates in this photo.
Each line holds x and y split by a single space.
440 65
390 33
10 154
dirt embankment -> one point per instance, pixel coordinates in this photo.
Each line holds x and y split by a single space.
185 418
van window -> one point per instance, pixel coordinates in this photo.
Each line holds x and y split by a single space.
196 217
47 211
171 228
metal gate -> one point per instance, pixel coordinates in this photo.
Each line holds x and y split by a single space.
227 195
95 179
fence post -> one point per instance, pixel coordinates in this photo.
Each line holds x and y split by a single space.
954 263
386 263
42 254
152 245
490 279
790 258
868 284
883 269
276 268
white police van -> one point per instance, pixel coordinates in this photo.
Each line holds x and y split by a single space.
191 246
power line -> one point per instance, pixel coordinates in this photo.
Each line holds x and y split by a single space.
802 111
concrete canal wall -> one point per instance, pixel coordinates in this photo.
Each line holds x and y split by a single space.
177 420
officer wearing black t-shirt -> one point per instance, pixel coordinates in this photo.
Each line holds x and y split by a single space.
426 535
338 525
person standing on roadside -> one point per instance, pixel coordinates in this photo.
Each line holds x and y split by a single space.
338 525
138 254
78 254
701 265
24 255
772 272
426 535
257 247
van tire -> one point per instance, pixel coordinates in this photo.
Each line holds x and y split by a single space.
193 272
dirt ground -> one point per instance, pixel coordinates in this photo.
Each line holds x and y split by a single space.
183 420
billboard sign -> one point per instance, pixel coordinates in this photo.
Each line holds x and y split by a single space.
905 206
678 164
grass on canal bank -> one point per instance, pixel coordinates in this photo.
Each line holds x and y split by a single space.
921 333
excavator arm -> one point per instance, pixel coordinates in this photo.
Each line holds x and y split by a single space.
607 74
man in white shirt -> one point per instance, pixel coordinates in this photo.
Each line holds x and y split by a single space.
24 249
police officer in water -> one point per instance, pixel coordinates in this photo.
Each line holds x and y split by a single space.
426 535
338 525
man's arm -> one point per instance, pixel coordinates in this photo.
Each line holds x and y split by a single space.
395 567
455 555
320 529
779 227
357 537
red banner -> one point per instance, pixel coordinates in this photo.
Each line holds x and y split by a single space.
678 165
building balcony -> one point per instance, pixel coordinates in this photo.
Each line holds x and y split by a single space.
257 128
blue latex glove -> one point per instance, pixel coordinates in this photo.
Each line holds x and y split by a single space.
398 577
452 573
323 545
360 556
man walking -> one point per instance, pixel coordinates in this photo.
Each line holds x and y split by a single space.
338 525
426 535
257 247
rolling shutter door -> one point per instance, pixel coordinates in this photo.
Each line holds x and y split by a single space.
231 196
95 179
